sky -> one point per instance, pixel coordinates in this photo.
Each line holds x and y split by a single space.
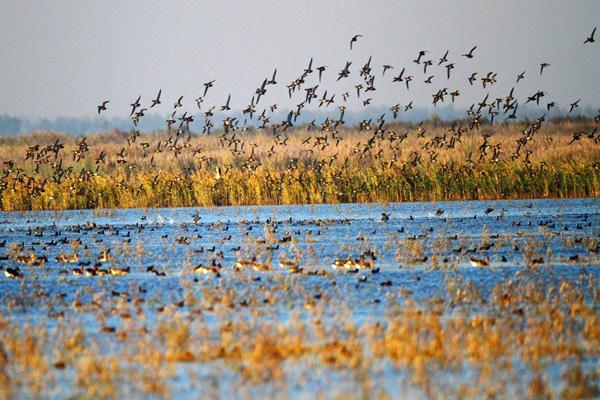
62 57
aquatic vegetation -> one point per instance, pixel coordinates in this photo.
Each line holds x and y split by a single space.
431 328
361 166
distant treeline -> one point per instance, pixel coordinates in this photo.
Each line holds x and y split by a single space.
11 125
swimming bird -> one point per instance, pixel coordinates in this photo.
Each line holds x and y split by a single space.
104 256
479 262
289 263
13 273
119 271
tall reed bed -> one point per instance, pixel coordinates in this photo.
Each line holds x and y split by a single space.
258 168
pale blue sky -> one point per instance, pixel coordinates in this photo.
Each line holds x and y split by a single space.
60 58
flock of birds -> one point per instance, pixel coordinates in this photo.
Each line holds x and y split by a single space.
85 245
306 88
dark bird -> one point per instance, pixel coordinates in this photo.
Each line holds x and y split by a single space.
472 78
208 85
308 70
102 107
421 54
470 53
444 58
542 66
178 102
591 38
156 101
520 76
226 106
321 69
273 81
354 39
448 68
574 105
386 67
135 105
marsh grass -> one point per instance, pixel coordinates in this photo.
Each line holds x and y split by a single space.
298 173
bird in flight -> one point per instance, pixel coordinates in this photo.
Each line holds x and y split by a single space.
321 69
135 105
574 105
102 107
156 101
470 53
207 85
591 38
354 39
226 106
542 66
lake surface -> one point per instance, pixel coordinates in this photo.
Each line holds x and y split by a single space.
422 252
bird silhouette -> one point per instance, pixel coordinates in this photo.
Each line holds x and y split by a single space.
102 107
591 38
354 40
470 53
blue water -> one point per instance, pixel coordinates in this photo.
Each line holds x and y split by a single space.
447 234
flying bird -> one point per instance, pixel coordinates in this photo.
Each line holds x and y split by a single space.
470 53
156 101
591 38
226 106
321 69
574 105
354 39
135 105
102 107
208 85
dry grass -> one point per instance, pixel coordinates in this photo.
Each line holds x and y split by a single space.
348 169
522 327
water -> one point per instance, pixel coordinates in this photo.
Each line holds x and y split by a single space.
417 250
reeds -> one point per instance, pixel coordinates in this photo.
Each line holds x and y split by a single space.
297 173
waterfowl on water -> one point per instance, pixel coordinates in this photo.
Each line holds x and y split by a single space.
352 264
104 256
289 263
13 273
244 263
214 268
479 262
67 259
119 271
